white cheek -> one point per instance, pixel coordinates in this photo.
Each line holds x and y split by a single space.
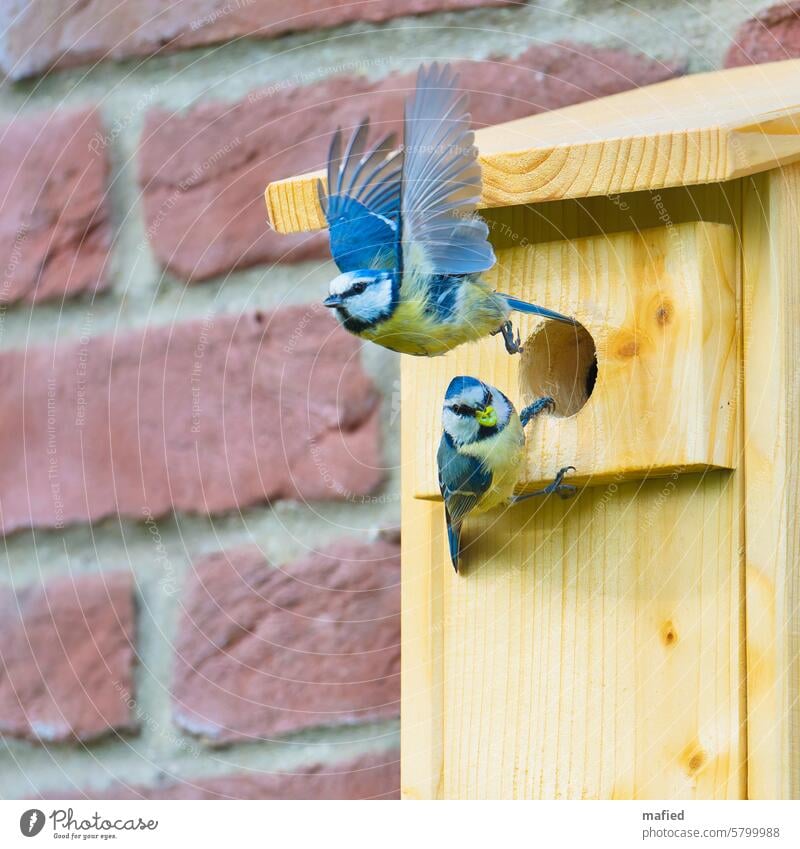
462 429
373 301
339 285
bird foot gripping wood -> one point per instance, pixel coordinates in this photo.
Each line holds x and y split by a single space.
558 487
538 406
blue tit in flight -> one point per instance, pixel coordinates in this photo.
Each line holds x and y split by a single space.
481 453
405 236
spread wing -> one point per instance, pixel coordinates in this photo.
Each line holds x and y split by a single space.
441 181
362 207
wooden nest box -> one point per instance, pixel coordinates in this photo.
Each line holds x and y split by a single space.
640 640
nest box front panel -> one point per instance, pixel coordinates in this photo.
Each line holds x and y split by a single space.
647 385
591 648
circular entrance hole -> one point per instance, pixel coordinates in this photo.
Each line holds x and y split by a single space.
559 360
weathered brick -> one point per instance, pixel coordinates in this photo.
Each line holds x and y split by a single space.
54 222
203 416
772 35
40 34
66 658
367 777
263 651
203 172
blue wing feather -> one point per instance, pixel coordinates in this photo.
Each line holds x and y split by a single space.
453 540
360 238
442 296
363 205
442 181
462 481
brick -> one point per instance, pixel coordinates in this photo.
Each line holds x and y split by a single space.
263 651
55 229
66 658
770 36
203 172
203 417
40 34
367 777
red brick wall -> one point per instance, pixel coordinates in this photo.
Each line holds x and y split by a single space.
200 597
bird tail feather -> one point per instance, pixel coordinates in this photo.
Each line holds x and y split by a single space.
454 539
533 309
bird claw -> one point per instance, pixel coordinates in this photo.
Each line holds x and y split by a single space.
538 406
557 487
511 340
563 490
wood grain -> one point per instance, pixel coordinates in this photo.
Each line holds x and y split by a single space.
592 648
702 128
660 306
422 627
771 258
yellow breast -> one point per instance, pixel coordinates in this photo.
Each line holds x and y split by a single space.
502 454
412 330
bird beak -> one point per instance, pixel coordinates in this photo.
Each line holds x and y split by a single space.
486 417
332 301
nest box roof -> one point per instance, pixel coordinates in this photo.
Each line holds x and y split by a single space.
704 128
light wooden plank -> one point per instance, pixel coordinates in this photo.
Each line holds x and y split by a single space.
771 259
702 128
422 630
660 306
592 648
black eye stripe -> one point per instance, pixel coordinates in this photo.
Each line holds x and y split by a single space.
462 410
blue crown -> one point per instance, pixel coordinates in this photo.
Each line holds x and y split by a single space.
459 385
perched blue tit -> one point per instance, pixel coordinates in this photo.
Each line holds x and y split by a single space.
481 453
404 232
